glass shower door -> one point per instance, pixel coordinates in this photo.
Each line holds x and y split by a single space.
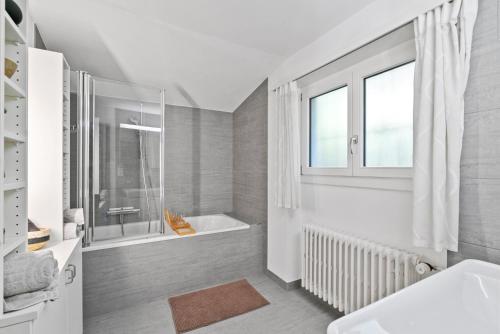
124 154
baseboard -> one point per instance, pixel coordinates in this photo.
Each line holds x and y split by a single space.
285 285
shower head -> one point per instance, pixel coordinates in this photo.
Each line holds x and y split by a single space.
133 120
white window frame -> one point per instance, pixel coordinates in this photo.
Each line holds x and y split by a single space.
329 84
383 62
354 77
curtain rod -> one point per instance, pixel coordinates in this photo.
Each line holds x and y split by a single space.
350 52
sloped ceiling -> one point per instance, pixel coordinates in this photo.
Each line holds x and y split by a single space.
207 53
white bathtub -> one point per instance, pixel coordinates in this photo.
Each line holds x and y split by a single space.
213 224
110 236
463 299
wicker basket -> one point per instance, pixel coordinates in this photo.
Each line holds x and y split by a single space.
10 68
38 239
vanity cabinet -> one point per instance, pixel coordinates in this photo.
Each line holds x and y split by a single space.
65 314
74 301
22 328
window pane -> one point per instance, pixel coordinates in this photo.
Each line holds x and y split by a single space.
328 142
389 118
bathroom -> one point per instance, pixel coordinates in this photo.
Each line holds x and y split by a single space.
250 167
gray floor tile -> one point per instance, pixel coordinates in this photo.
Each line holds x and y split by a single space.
292 311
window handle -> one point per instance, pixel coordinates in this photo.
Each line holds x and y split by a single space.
353 144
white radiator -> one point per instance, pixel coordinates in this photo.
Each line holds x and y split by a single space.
350 273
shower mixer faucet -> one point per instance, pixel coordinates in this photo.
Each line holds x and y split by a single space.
122 212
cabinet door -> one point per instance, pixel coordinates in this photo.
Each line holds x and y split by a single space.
22 328
52 318
74 315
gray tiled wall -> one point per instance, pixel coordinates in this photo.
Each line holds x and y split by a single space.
198 161
480 190
250 158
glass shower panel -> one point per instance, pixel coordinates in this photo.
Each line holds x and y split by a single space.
126 160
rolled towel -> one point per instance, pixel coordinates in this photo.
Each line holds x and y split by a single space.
24 300
29 272
74 216
70 231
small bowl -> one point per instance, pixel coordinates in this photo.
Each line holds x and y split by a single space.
15 13
10 67
38 239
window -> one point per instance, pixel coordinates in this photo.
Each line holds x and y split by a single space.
328 134
388 118
359 122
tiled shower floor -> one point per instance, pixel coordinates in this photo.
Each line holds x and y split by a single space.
289 312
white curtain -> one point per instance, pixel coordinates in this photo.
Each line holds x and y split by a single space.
287 108
443 41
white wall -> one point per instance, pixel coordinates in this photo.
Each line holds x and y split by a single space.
380 215
373 21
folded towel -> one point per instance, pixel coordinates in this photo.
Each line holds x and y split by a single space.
29 272
70 230
24 300
74 216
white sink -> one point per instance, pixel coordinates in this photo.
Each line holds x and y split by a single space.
463 299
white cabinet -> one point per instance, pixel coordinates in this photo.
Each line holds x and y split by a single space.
22 328
62 316
65 316
51 318
48 135
74 301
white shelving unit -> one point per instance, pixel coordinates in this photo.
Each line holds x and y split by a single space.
13 134
49 138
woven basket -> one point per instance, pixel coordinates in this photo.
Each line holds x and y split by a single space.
10 68
38 239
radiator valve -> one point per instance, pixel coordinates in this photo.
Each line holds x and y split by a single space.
423 268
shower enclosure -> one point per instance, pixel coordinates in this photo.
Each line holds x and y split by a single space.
120 158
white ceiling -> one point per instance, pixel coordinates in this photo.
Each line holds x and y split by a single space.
207 53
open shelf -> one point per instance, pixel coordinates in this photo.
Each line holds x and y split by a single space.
13 89
11 137
13 131
12 32
13 186
14 162
15 117
12 243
